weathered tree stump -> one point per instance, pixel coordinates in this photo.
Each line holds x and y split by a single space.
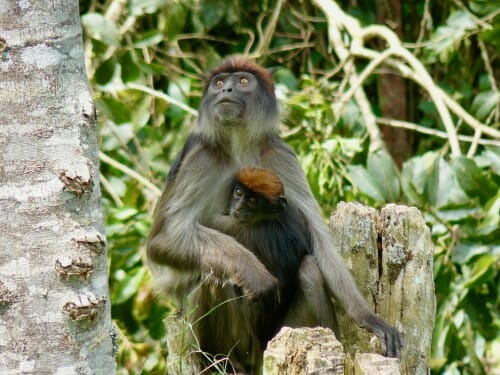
304 351
390 256
316 351
180 354
371 364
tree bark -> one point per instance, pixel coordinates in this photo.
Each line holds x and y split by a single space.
392 89
54 304
390 256
304 351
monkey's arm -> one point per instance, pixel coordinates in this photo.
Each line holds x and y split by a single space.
340 283
179 239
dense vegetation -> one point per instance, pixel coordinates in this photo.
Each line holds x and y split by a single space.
145 60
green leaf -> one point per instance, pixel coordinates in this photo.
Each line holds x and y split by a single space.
286 77
383 171
114 110
455 213
414 177
115 136
491 221
212 12
365 182
128 286
489 158
148 39
101 28
464 252
124 213
484 104
482 270
177 15
105 71
483 7
472 179
446 38
178 89
140 7
130 70
442 188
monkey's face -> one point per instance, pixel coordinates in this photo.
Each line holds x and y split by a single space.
230 95
251 208
237 100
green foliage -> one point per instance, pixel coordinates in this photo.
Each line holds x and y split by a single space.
145 60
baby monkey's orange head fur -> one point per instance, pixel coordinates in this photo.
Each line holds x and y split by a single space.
261 181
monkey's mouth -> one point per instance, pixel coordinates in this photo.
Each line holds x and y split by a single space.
228 111
227 101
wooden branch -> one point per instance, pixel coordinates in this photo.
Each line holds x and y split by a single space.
337 21
433 132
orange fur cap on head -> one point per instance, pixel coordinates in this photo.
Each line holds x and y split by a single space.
261 181
240 64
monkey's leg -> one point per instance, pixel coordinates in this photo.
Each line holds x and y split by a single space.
311 306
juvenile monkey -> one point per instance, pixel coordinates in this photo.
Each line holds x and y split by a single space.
188 251
276 233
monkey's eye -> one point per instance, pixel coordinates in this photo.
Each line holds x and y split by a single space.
219 83
238 192
244 81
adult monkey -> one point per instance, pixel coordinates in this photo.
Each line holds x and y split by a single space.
238 126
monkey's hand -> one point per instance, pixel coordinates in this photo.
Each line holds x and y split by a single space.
389 336
255 281
228 260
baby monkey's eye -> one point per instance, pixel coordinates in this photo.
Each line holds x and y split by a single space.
238 192
244 81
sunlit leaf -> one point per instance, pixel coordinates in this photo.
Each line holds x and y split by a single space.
382 169
114 110
484 104
115 136
446 37
482 270
464 252
139 7
490 157
101 28
442 188
365 182
491 221
124 213
128 286
148 39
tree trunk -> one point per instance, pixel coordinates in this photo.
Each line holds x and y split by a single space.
390 256
392 89
54 304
